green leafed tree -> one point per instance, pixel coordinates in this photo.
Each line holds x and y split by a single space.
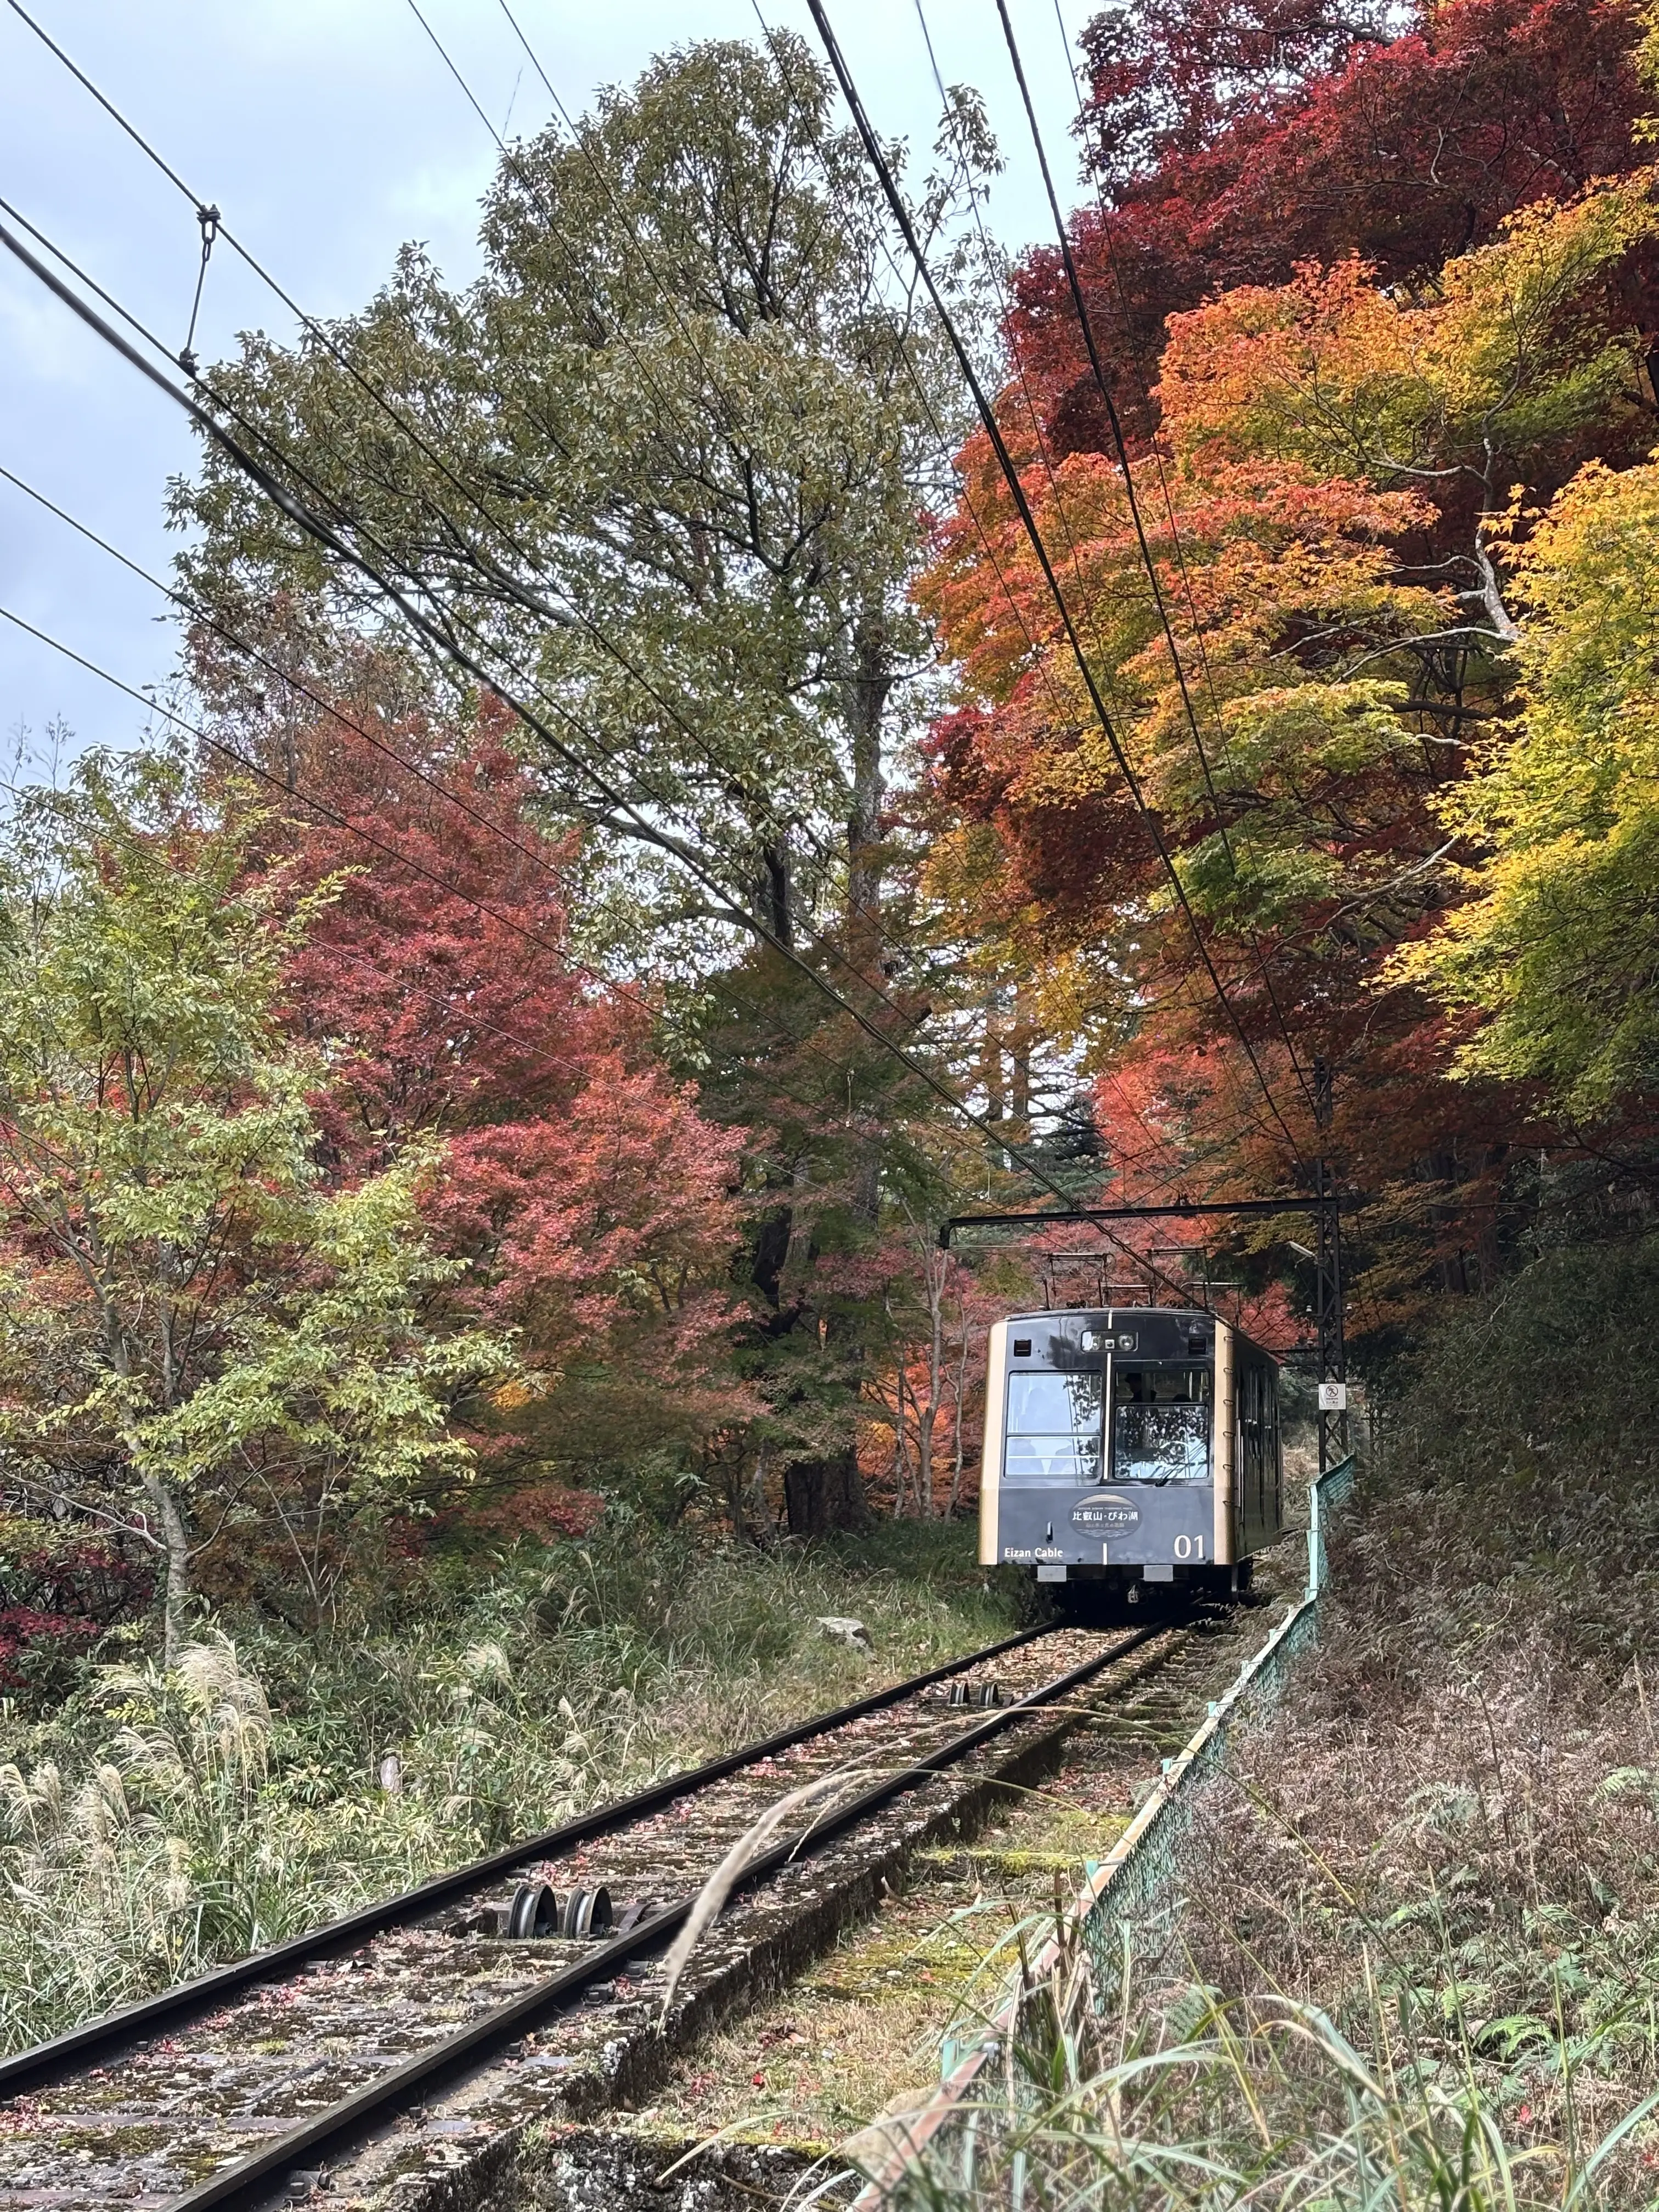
1553 958
667 463
194 1333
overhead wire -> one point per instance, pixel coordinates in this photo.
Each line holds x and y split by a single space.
198 612
409 430
1016 490
503 578
1039 666
1120 448
1038 658
838 1067
510 160
295 792
1086 329
448 644
1181 1161
272 488
1041 438
330 540
335 713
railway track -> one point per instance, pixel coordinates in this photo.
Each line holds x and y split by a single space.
531 1972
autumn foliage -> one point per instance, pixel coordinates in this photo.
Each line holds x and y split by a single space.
592 1203
499 1161
1234 141
1353 283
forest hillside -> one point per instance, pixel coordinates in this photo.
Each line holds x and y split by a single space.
746 732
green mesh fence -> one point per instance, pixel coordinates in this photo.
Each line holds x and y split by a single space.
1131 1897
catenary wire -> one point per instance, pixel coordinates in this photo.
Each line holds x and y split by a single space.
1041 438
398 859
840 1068
173 176
271 491
1039 661
1120 448
269 486
1180 1163
510 160
503 578
221 629
1010 473
439 789
1043 455
1156 452
324 535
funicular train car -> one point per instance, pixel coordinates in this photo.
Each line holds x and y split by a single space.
1131 1445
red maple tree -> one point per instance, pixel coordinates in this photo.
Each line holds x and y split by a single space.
592 1202
1235 138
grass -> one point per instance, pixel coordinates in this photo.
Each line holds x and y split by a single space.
156 1823
1211 2104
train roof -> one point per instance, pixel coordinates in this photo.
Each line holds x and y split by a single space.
1190 1317
1099 1313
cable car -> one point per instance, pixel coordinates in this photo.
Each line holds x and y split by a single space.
1131 1445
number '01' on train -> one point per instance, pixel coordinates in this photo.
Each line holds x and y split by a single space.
1135 1444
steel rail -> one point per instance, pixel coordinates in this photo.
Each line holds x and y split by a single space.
78 2047
251 2181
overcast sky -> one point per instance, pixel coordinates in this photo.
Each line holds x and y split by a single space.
328 131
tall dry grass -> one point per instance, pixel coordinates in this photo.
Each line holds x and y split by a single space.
159 1821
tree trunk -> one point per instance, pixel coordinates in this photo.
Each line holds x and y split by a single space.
824 1494
955 1498
751 1509
777 905
175 1544
901 1455
1020 1055
865 696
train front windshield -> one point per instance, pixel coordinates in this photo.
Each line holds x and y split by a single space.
1053 1428
1161 1424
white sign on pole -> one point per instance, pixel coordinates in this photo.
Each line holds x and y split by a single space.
1333 1397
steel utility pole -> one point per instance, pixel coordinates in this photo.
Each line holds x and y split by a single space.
1327 1291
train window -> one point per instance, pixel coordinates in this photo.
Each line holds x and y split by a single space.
1053 1428
1161 1385
1161 1424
